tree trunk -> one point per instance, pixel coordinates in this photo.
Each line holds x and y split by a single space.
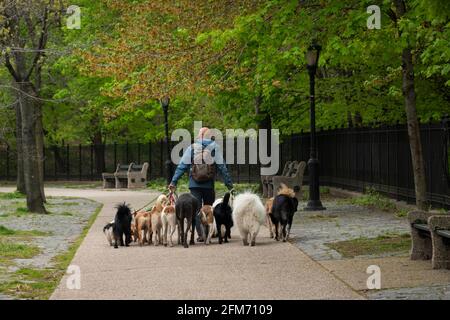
40 147
20 179
35 202
39 130
412 120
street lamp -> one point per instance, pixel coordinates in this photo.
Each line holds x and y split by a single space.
165 106
314 203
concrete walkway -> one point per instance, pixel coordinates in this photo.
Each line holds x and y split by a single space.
270 270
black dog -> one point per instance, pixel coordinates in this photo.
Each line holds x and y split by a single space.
186 207
283 209
122 225
222 214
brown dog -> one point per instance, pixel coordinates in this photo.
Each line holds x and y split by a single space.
269 204
143 227
156 225
207 222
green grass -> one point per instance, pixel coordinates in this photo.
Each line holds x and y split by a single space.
324 192
32 233
12 195
389 243
374 200
30 283
14 250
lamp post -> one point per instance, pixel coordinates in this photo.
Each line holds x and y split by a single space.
165 106
314 203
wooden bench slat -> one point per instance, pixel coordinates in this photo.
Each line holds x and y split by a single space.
443 233
420 226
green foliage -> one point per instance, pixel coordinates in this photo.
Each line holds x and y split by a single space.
384 244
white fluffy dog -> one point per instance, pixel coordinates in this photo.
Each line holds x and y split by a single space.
248 215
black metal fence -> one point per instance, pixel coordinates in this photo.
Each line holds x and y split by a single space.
354 159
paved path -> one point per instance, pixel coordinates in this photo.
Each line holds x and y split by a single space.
270 270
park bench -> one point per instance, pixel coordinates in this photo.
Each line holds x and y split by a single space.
126 176
430 236
266 180
294 179
137 175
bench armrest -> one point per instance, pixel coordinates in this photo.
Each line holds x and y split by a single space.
418 216
439 221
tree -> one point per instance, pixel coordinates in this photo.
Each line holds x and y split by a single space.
24 32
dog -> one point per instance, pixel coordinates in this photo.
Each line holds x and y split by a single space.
161 202
269 224
169 221
108 231
186 207
248 215
156 225
134 232
224 219
143 227
122 225
283 209
207 222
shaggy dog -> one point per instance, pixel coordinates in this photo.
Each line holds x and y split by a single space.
186 208
143 227
207 222
122 225
224 219
283 209
248 215
108 231
269 224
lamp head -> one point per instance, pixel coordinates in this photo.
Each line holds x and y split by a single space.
312 55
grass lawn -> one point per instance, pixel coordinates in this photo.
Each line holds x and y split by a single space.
389 243
28 282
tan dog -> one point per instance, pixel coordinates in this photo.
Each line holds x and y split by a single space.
269 204
207 222
161 202
143 227
134 232
156 225
169 223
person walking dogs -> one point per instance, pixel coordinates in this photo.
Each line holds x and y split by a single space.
202 159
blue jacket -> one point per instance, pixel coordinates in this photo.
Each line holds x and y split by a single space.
185 165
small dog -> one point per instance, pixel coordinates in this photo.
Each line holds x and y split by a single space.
283 209
161 202
122 225
156 225
143 227
207 222
269 224
108 231
224 219
169 221
248 214
186 207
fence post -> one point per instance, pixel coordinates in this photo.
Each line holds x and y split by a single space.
150 159
55 148
139 153
80 169
68 162
126 151
92 162
7 163
397 142
115 155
